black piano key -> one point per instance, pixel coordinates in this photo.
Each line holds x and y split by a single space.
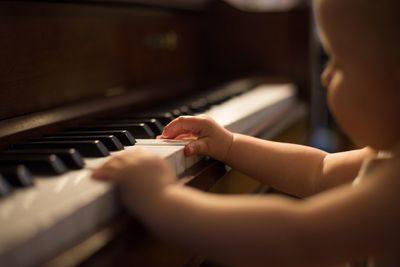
71 157
199 105
138 130
215 99
153 124
110 141
86 148
163 117
125 137
186 110
17 175
176 112
39 164
5 187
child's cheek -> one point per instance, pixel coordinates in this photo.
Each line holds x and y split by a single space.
334 92
339 101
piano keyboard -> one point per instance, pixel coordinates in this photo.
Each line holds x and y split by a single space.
48 201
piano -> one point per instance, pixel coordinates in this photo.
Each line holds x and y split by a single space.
82 80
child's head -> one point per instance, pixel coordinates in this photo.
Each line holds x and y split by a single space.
362 38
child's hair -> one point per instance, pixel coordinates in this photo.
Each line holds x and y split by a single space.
380 20
383 19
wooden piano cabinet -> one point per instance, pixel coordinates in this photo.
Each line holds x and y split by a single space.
266 43
58 53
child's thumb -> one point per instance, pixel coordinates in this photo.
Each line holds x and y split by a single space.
196 147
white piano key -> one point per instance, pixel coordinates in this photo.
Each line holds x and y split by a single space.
28 213
162 142
255 110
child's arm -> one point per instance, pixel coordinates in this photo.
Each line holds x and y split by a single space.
294 169
342 224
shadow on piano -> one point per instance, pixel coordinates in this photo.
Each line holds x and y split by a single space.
81 80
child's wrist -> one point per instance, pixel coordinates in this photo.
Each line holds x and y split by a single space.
228 149
156 208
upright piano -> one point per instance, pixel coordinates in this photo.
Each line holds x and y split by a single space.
83 79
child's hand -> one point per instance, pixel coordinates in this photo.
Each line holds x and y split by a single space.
209 137
141 175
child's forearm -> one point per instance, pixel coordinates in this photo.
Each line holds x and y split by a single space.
286 167
294 169
224 228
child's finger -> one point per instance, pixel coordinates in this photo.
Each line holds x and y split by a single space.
195 148
99 176
108 172
108 175
184 125
187 136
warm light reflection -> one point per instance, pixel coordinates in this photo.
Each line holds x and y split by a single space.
264 5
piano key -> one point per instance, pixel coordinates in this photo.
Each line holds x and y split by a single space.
138 130
173 153
17 175
86 148
186 110
125 137
5 187
110 141
162 142
71 157
258 109
199 105
39 164
216 98
176 112
153 124
163 117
